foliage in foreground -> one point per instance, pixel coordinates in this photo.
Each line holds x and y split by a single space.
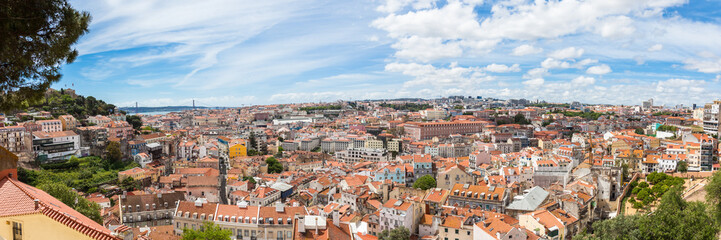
675 218
37 38
73 200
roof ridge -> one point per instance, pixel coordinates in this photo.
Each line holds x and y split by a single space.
62 217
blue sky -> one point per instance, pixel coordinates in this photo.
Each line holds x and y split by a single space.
236 53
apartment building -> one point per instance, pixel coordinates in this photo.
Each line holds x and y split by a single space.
68 122
56 146
489 198
148 209
99 120
243 220
396 213
356 155
15 138
93 137
429 130
451 176
50 125
712 117
332 145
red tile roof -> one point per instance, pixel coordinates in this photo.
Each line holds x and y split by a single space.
17 198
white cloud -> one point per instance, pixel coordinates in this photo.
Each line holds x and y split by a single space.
440 77
527 20
704 66
616 27
583 81
391 6
567 53
536 82
536 73
677 85
526 49
599 70
500 68
655 48
552 63
455 20
425 49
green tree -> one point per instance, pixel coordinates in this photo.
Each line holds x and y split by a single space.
114 154
676 218
426 182
621 227
208 231
273 165
673 219
37 38
682 167
639 131
72 199
520 119
135 121
713 195
130 184
249 179
401 233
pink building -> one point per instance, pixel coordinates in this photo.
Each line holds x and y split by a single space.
50 125
428 130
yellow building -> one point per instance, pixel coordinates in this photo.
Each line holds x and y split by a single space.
136 173
237 148
29 213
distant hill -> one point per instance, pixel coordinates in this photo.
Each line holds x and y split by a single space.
133 110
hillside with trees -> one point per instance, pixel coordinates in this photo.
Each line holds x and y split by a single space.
62 102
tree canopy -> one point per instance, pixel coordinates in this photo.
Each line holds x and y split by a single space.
73 200
135 121
520 119
208 231
273 165
675 218
713 195
426 182
401 233
113 152
37 38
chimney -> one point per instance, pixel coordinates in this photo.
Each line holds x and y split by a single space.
336 218
301 224
279 207
37 203
125 193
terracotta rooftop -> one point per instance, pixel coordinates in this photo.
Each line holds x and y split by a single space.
17 198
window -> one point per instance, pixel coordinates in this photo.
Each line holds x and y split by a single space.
446 229
469 233
456 231
17 231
